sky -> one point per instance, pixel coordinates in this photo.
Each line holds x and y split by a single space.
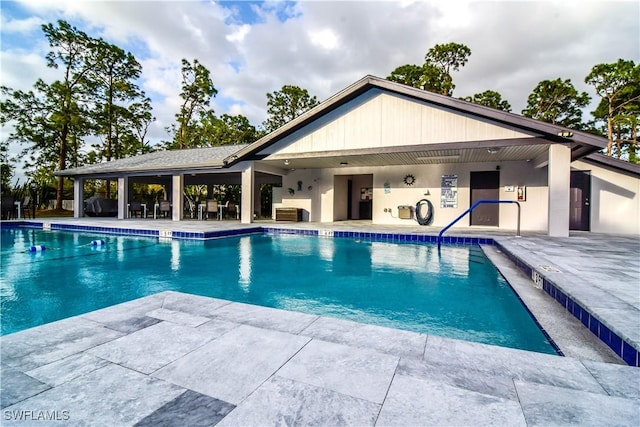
252 48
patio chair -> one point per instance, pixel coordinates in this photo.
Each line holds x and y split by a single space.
212 208
135 208
232 210
165 208
25 208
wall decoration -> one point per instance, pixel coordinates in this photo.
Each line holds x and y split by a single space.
387 187
409 180
299 185
366 193
292 191
449 191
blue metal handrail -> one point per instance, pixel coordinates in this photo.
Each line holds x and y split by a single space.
479 202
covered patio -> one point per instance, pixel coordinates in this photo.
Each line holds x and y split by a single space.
174 172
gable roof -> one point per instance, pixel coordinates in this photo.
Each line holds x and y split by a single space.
158 161
228 155
583 143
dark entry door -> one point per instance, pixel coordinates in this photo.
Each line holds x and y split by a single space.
579 210
485 186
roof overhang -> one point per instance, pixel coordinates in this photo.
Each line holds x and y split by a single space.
613 163
168 162
525 149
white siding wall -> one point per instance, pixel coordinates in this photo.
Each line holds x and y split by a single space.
308 200
329 206
615 200
615 197
533 216
379 119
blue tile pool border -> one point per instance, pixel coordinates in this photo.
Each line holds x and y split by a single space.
104 230
183 235
598 327
21 224
384 237
204 235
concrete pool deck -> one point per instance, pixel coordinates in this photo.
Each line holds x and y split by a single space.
191 360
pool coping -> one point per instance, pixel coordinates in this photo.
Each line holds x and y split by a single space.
169 356
608 332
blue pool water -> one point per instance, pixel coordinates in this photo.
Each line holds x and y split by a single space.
458 294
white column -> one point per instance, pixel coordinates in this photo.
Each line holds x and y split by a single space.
257 198
123 197
246 202
559 174
78 197
177 200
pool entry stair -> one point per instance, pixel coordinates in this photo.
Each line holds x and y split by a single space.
475 205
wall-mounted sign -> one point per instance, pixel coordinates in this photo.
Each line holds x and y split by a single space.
522 193
449 191
366 193
387 187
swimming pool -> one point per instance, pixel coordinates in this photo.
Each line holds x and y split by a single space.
457 294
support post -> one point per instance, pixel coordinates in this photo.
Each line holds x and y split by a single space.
123 197
177 199
559 176
78 198
246 204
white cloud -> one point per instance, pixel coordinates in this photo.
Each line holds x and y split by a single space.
239 34
20 70
324 46
454 14
325 38
20 25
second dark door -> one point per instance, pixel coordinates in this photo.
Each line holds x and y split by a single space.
485 186
579 210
